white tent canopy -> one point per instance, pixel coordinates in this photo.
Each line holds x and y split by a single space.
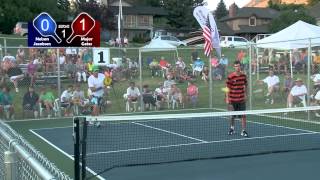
293 37
158 45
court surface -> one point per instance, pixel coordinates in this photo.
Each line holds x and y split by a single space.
152 142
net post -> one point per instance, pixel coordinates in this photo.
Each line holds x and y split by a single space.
76 136
83 149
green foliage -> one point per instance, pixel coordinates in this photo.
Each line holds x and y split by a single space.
221 10
181 12
98 12
313 2
12 12
289 17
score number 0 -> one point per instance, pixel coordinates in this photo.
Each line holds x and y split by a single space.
101 56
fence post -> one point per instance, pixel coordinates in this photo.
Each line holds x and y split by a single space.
10 163
59 82
5 46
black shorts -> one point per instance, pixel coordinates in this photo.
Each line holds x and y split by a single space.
238 106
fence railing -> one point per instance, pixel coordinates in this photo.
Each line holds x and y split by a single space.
19 160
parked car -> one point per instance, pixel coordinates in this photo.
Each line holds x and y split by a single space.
233 41
171 40
21 29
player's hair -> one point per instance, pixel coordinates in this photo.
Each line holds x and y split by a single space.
236 63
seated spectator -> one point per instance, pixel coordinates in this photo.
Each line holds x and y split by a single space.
79 100
272 82
168 83
197 66
192 93
7 62
47 99
66 100
32 72
112 42
164 65
30 101
147 96
6 102
108 77
297 94
15 74
161 95
155 67
133 93
89 66
176 94
180 66
125 41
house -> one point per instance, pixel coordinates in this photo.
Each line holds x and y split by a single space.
138 21
249 21
264 3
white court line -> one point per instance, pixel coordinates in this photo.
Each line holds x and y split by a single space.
277 117
39 119
63 152
189 144
169 132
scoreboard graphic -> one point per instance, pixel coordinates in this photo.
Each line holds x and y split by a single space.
83 31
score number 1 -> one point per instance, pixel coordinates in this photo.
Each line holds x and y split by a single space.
101 56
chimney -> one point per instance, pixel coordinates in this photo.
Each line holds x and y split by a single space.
232 10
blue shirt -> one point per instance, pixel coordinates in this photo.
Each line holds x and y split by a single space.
224 61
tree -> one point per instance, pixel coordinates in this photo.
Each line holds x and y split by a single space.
180 12
313 2
99 12
221 10
12 12
289 17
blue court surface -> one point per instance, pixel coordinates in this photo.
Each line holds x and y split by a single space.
147 149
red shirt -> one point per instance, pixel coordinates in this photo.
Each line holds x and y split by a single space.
237 87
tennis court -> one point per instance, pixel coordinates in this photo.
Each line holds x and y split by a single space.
122 142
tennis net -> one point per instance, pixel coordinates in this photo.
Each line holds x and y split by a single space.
106 142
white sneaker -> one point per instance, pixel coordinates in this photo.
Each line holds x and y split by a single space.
317 115
17 90
271 102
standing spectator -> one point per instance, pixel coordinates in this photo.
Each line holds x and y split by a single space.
6 101
176 95
125 41
192 93
62 60
194 55
30 101
236 96
205 74
96 85
20 55
297 94
288 84
32 72
224 64
180 66
273 83
81 70
15 74
70 68
168 83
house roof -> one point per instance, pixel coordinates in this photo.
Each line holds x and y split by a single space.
224 29
140 10
246 12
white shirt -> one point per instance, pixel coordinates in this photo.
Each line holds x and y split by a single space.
78 95
97 82
62 60
180 64
133 92
316 79
296 90
66 96
271 80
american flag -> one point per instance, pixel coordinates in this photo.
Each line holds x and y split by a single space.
207 38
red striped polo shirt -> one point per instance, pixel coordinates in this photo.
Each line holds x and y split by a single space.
237 87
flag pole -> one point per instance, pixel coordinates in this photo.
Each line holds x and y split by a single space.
210 83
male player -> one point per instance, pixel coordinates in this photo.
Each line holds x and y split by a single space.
96 85
236 96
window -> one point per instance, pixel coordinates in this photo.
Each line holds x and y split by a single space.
229 38
129 21
143 20
239 39
252 21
